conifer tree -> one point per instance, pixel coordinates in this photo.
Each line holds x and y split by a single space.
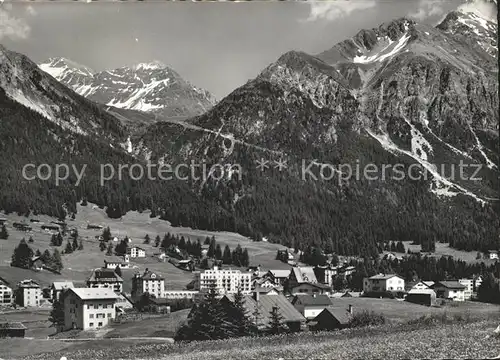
106 234
102 246
118 270
22 255
226 257
218 252
147 240
56 260
276 321
4 235
109 251
69 248
56 316
157 240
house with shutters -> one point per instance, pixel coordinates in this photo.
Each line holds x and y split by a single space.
148 282
278 277
112 262
383 283
105 279
451 290
89 308
6 293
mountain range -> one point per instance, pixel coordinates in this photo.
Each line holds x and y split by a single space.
149 87
401 94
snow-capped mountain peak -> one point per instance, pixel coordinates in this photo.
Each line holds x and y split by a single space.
59 67
154 65
148 86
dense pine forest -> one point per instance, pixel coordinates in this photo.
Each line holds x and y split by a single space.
348 220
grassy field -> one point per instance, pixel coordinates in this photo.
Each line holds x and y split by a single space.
78 265
402 311
403 341
443 249
164 326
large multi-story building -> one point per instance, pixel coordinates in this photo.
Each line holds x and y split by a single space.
149 282
136 251
6 294
383 283
105 279
88 308
29 293
227 281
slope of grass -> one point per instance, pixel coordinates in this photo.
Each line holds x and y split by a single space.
459 340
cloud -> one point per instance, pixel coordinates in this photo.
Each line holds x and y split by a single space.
485 9
426 9
11 27
336 9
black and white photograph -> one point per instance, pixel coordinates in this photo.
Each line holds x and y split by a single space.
249 180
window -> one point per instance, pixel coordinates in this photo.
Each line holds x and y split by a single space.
100 324
109 315
91 324
91 316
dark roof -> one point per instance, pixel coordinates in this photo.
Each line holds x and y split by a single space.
149 275
12 326
342 316
311 300
105 275
317 285
266 304
450 285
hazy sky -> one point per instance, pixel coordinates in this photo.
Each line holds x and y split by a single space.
216 46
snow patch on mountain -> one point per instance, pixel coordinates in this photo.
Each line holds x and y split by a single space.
490 164
440 185
148 87
393 48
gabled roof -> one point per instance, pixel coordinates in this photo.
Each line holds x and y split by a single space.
265 290
342 316
104 275
12 326
114 260
493 251
316 285
29 283
305 274
94 293
450 285
280 273
60 285
134 247
384 276
266 304
312 300
149 275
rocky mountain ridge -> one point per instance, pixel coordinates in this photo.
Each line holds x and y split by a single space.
148 87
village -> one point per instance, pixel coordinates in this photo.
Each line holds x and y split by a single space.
308 298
